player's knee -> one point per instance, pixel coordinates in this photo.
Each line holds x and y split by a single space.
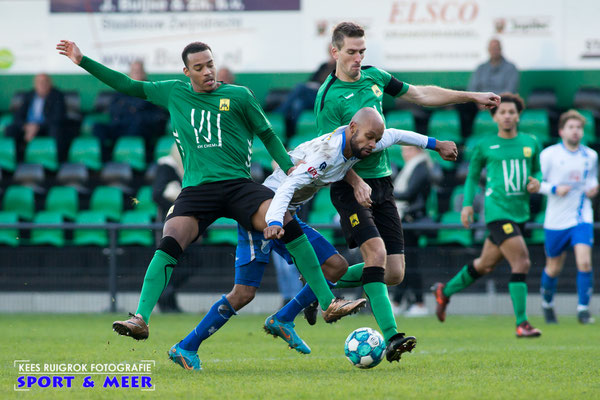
584 266
335 267
481 267
374 252
241 295
393 277
394 270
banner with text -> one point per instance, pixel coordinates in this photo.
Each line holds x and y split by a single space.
293 35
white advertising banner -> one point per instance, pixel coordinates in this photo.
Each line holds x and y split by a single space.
292 35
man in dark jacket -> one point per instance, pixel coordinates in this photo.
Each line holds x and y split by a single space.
42 113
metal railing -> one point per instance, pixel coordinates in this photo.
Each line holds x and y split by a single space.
112 251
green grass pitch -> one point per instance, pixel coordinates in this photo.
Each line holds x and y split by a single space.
467 357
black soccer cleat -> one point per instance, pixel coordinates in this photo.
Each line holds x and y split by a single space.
399 344
549 315
311 312
584 317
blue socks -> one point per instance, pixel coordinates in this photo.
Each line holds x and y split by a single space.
547 289
217 316
303 299
584 287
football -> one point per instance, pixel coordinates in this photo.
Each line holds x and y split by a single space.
365 348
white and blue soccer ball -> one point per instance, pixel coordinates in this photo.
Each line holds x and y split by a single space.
365 348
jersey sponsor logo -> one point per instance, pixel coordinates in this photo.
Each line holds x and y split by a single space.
170 210
350 95
354 220
508 228
206 126
527 151
376 90
494 147
515 176
224 105
322 166
312 171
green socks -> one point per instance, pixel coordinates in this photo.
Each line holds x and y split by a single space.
463 279
382 309
518 295
352 278
308 264
157 276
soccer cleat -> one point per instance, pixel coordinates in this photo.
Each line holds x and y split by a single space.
399 344
310 313
441 300
134 327
584 317
339 308
285 330
185 358
525 330
549 315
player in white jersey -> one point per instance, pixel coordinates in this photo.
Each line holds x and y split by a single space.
570 180
325 160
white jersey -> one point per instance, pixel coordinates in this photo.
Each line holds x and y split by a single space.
324 163
579 170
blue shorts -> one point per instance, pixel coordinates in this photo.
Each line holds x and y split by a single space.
253 252
558 241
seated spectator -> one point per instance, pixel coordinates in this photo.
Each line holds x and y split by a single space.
302 97
411 189
165 189
495 75
225 75
131 116
43 113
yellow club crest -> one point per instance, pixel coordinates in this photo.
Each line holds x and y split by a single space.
224 105
376 90
508 228
527 151
354 220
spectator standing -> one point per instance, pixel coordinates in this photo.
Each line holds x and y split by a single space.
495 75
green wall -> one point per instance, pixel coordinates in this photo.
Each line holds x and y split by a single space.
565 83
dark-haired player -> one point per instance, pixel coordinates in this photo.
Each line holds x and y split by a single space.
214 126
365 200
511 160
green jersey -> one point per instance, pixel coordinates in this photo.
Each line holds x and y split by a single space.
509 163
337 102
214 131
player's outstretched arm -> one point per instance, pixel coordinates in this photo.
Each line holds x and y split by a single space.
447 149
116 80
434 96
70 49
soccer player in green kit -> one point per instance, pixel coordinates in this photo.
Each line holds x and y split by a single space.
214 126
513 170
365 200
